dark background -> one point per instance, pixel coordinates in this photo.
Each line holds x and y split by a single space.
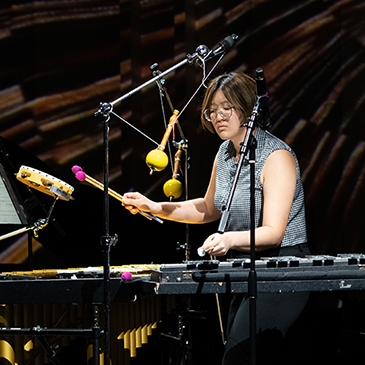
60 59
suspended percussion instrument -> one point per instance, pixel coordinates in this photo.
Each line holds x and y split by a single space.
45 183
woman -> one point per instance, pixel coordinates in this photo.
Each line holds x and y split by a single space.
279 214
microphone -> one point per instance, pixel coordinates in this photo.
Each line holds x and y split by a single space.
157 159
263 96
224 46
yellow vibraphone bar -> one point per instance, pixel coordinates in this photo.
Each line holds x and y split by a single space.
132 322
143 270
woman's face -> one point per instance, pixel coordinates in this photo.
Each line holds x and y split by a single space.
229 127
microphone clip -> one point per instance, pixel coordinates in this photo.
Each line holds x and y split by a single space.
104 110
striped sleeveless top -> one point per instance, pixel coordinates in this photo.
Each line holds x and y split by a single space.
239 216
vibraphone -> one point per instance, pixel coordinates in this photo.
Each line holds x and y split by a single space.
274 274
68 299
63 304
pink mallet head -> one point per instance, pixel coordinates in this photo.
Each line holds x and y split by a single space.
76 169
127 276
81 176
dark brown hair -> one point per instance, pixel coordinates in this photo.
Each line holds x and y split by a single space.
238 88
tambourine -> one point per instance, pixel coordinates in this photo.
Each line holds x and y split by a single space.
45 183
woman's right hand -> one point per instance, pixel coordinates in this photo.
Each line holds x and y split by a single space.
134 202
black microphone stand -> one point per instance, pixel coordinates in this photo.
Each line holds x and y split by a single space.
184 146
107 241
249 144
183 320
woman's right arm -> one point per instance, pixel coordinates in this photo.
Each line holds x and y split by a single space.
201 210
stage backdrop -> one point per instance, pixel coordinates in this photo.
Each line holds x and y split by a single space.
61 59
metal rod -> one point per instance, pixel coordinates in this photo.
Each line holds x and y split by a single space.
140 87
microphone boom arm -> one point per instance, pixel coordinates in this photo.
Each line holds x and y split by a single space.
105 108
189 59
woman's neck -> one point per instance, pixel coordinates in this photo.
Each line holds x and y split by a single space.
238 141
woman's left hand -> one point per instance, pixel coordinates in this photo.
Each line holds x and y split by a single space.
216 244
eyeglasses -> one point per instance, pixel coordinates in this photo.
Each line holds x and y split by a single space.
211 114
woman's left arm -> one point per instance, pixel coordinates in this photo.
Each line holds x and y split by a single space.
278 178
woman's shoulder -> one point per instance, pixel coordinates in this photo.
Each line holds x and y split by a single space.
273 142
273 145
